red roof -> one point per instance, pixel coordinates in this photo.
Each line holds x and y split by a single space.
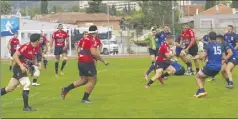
222 9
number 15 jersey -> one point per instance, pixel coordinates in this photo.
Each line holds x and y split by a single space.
214 52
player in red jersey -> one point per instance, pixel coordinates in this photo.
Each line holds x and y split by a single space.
61 39
189 45
12 46
86 66
25 58
163 59
99 47
43 50
81 41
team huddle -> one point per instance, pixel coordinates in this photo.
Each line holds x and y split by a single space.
220 54
26 60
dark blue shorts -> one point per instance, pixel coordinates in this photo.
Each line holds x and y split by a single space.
161 65
233 61
59 51
87 69
178 51
17 73
180 72
210 72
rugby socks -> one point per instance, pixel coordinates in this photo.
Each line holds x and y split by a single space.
56 67
70 87
3 91
85 96
150 82
189 66
152 67
45 63
201 90
227 80
34 80
25 95
165 75
63 64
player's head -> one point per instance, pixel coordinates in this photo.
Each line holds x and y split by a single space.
85 33
93 29
219 38
212 36
230 29
34 39
153 31
185 26
60 26
166 28
169 39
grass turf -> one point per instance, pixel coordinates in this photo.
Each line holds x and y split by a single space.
120 92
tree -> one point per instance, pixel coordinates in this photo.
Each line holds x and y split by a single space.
129 8
210 4
57 9
234 4
5 8
95 6
113 10
74 8
44 7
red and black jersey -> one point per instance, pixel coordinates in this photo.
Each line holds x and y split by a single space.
186 37
60 36
28 53
45 41
98 42
85 53
164 48
13 43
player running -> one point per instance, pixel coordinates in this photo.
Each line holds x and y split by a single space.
213 52
86 66
12 46
152 50
163 60
230 61
24 57
189 44
61 39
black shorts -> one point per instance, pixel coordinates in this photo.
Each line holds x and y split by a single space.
59 51
12 52
87 69
180 72
152 52
209 72
233 61
17 73
161 65
193 50
39 57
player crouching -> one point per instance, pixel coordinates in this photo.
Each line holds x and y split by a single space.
163 59
213 52
24 58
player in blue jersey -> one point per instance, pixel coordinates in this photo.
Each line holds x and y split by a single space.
213 52
230 61
231 37
175 69
161 36
182 55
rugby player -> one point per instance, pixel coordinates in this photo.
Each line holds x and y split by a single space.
163 60
81 41
25 58
191 47
231 38
161 36
230 61
12 46
152 50
86 66
61 39
213 52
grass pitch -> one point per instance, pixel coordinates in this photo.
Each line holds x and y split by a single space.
121 92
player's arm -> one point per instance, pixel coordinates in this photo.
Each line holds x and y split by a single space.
96 54
17 60
168 55
66 41
9 45
229 54
236 42
192 35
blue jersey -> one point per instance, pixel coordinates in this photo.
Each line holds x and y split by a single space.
161 37
228 46
205 39
231 38
214 52
176 65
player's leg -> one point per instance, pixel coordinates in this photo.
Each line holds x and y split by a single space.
57 59
35 74
13 83
194 51
200 80
187 62
157 75
45 61
169 71
180 72
64 55
229 68
152 66
11 62
224 74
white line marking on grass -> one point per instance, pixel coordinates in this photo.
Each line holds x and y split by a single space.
17 99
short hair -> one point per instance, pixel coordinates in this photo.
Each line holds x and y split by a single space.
212 35
230 26
35 37
221 37
92 28
60 25
170 37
